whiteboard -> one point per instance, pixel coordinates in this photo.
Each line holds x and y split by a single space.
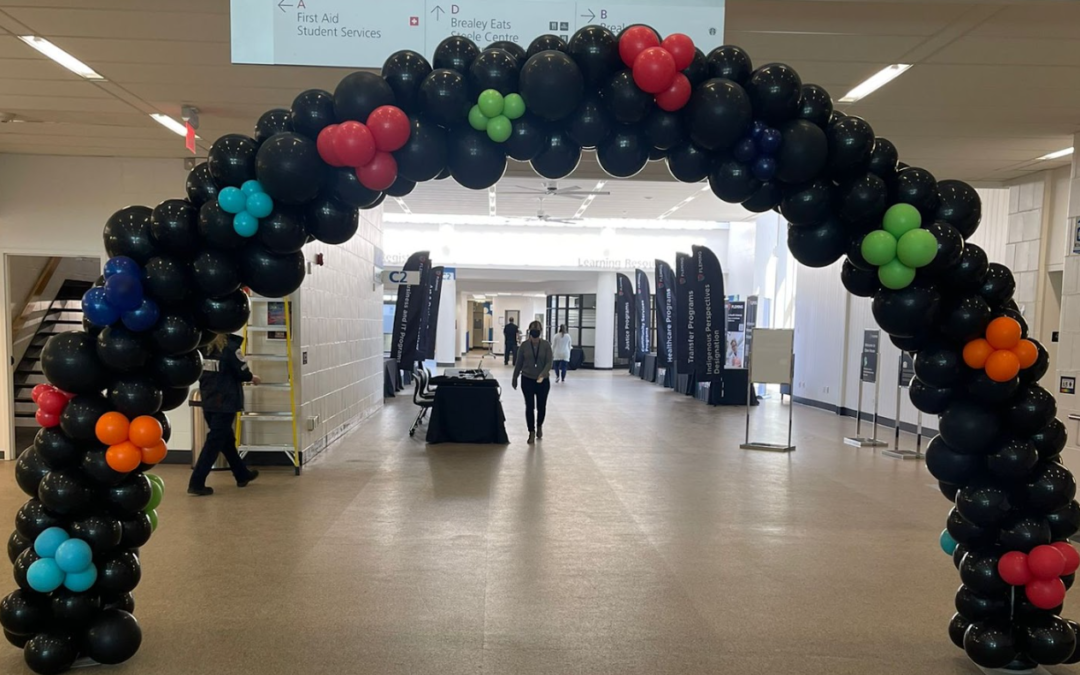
770 361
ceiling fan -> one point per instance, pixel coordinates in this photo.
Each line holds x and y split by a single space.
545 218
552 189
15 118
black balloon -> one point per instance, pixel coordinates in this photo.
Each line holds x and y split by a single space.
862 199
804 151
119 572
400 188
984 503
774 91
966 532
24 613
50 653
404 71
128 499
990 644
30 469
101 532
808 204
965 318
269 274
546 43
232 160
274 121
883 159
95 466
511 48
226 314
907 312
216 227
344 186
925 398
718 114
166 280
859 282
166 426
733 181
424 155
475 161
665 130
172 399
288 167
1039 368
552 85
112 637
73 611
851 142
122 350
136 531
455 53
177 371
818 245
596 53
815 105
124 601
493 69
1050 440
765 198
283 231
939 365
976 607
558 157
950 248
690 164
1023 533
698 70
22 567
1031 410
1049 641
135 395
970 270
1012 459
16 544
917 187
65 492
358 94
80 416
175 333
444 97
33 518
127 233
70 362
960 206
624 153
970 428
1064 522
526 138
978 571
1049 487
56 449
311 112
200 185
174 227
627 103
998 285
590 124
958 625
731 63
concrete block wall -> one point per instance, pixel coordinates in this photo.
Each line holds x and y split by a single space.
341 383
1068 351
1023 250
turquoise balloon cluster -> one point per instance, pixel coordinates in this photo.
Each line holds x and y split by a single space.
249 202
64 561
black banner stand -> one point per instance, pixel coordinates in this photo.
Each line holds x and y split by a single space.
868 373
907 371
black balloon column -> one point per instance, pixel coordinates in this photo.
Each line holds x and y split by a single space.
179 273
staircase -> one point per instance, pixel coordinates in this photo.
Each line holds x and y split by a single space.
62 314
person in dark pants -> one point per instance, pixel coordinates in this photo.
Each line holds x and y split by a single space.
533 364
510 333
224 372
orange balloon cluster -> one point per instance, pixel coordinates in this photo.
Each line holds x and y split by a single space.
1003 352
131 442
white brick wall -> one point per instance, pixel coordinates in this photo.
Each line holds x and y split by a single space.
341 333
1024 245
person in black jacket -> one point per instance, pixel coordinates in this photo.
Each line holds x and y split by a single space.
221 389
510 332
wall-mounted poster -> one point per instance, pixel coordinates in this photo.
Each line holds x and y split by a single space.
275 316
736 335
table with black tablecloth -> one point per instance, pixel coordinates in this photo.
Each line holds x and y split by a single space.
391 378
467 412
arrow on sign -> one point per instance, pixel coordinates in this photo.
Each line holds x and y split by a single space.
590 17
281 5
438 12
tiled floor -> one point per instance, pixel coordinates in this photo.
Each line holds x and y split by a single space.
636 538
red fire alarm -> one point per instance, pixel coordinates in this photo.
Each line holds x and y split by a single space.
319 259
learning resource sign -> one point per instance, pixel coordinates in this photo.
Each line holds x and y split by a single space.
362 33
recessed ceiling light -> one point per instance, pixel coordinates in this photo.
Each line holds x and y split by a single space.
60 56
875 82
402 204
1059 154
170 124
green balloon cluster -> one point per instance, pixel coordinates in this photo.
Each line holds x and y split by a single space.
493 112
900 247
157 487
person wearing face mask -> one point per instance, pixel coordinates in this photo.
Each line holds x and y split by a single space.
533 364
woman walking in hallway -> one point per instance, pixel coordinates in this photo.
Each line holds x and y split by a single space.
533 364
560 347
221 389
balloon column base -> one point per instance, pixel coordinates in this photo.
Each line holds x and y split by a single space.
768 447
1037 670
903 454
84 662
860 442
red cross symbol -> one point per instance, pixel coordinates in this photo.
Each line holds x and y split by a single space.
414 21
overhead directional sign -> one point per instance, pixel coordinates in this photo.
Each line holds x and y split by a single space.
357 34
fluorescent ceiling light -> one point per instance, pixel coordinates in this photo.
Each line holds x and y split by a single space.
1059 154
60 56
402 204
875 82
491 201
170 124
589 200
683 203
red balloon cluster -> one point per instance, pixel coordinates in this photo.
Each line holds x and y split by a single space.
658 66
367 147
51 403
1040 572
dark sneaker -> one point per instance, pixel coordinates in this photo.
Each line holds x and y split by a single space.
539 432
251 476
532 438
200 492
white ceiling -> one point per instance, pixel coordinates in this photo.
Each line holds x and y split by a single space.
995 84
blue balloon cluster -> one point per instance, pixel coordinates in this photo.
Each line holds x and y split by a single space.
759 150
249 202
64 562
948 544
121 298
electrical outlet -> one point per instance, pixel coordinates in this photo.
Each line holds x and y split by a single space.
312 422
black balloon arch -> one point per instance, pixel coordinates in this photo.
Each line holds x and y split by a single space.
760 137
